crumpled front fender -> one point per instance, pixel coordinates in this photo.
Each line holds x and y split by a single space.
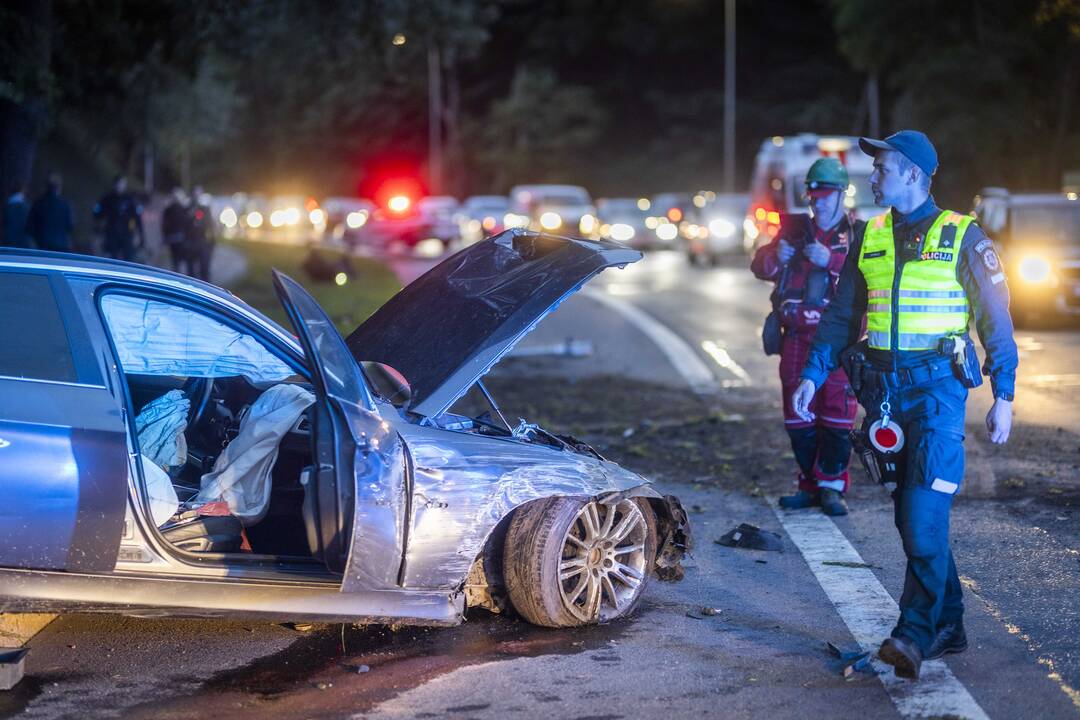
464 489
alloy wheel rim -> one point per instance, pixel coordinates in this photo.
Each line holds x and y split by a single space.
603 563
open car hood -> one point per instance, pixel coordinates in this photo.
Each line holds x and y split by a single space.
446 329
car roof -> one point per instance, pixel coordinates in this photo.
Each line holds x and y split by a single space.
486 199
549 190
104 267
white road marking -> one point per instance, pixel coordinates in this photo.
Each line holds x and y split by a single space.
682 357
717 352
869 612
1053 381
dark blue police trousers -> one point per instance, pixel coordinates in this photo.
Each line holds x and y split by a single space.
931 415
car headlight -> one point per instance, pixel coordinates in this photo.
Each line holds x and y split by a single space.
356 219
513 220
254 219
587 224
667 231
721 228
1034 269
550 220
228 217
621 232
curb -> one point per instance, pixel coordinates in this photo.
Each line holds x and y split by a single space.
17 628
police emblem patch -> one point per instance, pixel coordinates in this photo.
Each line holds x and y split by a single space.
990 260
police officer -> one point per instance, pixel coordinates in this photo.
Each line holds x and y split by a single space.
917 271
804 260
121 216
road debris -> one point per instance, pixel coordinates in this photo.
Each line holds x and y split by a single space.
851 661
751 537
703 612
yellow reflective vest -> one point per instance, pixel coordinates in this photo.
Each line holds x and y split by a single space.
926 302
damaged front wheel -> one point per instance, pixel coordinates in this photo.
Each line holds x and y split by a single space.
571 562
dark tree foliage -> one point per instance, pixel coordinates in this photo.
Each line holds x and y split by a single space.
993 82
625 97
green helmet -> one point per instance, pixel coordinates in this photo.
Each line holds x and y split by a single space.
827 172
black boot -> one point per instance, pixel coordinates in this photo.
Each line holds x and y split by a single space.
903 655
950 639
800 500
832 502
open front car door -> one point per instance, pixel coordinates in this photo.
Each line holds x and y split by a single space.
355 494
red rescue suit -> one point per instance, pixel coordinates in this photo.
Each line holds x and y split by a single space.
822 447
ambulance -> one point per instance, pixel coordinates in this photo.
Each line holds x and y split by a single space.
776 187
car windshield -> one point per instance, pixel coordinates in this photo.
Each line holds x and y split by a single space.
621 209
488 208
1056 225
559 200
858 192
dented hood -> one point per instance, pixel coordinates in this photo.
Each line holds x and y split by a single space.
446 329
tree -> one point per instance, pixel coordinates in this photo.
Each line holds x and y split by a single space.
992 82
540 129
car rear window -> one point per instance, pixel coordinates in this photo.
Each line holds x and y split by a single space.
33 341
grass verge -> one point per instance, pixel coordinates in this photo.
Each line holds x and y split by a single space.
369 283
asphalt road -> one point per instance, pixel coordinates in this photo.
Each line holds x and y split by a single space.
764 653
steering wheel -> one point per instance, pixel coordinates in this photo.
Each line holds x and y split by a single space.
197 390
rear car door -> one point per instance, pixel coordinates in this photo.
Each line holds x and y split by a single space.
63 442
356 497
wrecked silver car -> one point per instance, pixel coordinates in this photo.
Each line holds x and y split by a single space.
167 449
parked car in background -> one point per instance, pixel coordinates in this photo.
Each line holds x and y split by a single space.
167 449
401 225
777 184
564 209
481 216
441 212
1038 235
294 218
669 214
345 216
623 220
719 230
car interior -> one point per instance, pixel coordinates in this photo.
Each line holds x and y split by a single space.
217 406
223 427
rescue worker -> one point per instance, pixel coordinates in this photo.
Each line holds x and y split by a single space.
120 216
917 271
50 223
174 229
804 260
200 236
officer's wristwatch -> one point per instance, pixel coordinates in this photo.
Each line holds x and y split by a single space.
1001 394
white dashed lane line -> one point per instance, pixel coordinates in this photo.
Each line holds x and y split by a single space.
681 356
869 613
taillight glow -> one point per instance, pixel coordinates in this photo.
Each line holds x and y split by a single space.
399 203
